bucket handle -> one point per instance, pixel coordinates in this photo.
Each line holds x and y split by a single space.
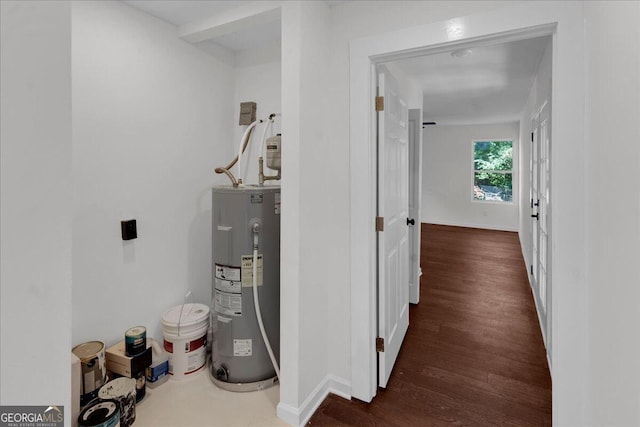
186 298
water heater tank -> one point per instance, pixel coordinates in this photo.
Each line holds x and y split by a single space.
239 360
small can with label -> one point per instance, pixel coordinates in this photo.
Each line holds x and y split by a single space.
135 340
94 371
141 385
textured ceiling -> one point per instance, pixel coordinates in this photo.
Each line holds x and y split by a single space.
491 84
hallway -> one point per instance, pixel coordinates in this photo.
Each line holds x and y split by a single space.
473 354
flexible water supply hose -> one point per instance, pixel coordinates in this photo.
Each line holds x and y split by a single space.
226 170
240 149
256 302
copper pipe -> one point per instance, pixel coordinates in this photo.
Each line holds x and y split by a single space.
261 176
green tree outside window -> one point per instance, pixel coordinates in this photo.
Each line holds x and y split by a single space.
493 170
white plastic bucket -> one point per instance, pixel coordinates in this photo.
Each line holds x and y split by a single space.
185 330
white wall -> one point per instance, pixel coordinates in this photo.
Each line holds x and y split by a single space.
448 177
613 211
35 218
305 276
151 120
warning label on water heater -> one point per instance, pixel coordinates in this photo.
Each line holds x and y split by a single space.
228 286
229 304
226 272
228 279
247 270
242 348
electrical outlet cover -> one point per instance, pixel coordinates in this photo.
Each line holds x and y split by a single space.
129 229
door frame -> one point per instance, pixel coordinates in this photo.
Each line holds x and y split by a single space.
563 20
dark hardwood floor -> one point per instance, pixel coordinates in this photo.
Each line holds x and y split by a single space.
473 355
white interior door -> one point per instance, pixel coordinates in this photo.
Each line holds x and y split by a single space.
540 217
415 192
393 239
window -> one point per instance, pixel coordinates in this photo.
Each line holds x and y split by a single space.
493 171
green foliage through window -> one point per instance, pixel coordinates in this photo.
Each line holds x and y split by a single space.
493 166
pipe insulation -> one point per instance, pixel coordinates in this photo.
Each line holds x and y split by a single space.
245 136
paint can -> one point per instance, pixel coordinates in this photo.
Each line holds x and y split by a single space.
100 413
185 328
141 385
122 390
135 340
94 371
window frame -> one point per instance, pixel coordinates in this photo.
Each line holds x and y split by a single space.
512 171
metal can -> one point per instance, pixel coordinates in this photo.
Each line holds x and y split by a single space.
94 371
135 340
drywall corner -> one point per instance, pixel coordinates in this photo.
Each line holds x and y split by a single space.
36 207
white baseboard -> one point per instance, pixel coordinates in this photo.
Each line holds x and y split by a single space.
469 225
298 417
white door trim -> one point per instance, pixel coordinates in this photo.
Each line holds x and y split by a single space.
565 20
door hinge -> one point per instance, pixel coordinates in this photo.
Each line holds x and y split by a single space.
379 103
379 223
531 269
380 345
531 136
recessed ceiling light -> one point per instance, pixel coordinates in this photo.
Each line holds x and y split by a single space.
461 53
